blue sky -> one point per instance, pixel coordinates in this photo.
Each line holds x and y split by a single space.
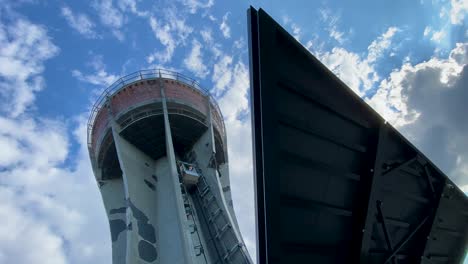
405 58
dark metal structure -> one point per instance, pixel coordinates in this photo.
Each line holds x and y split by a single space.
334 182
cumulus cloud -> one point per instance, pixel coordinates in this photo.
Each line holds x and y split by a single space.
114 15
23 49
36 240
111 17
214 47
222 74
381 44
47 216
194 61
224 27
458 11
99 75
356 71
434 35
427 100
171 31
80 22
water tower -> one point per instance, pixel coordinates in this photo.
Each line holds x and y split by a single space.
157 143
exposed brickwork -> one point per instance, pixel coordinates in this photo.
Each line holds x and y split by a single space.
145 91
100 123
134 94
179 91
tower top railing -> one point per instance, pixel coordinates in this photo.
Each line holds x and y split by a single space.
150 74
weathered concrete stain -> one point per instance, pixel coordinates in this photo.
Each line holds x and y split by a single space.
139 215
147 251
116 227
146 231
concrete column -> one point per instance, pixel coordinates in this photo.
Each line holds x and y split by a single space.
112 192
140 193
183 231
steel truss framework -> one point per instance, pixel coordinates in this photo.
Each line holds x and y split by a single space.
334 182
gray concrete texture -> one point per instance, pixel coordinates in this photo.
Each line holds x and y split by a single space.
153 217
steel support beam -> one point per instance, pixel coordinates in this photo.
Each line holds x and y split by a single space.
408 238
372 189
388 239
399 167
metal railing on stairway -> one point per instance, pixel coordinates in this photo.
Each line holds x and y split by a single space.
218 224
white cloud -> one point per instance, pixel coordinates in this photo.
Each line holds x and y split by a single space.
434 35
356 71
427 31
194 61
296 30
458 11
80 22
163 34
46 214
464 189
22 238
222 74
381 44
214 47
131 5
24 47
194 5
332 24
337 35
428 100
111 17
224 27
234 105
212 18
99 75
437 36
207 35
171 32
391 100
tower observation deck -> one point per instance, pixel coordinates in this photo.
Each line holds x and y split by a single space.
157 144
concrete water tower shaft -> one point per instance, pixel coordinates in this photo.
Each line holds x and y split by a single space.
157 144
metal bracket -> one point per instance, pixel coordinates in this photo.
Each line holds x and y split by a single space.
381 218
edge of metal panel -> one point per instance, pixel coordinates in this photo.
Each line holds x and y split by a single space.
257 144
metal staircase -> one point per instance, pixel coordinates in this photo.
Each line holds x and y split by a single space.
190 213
221 230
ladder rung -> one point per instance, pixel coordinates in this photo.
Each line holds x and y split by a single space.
232 250
209 200
204 191
223 230
214 215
